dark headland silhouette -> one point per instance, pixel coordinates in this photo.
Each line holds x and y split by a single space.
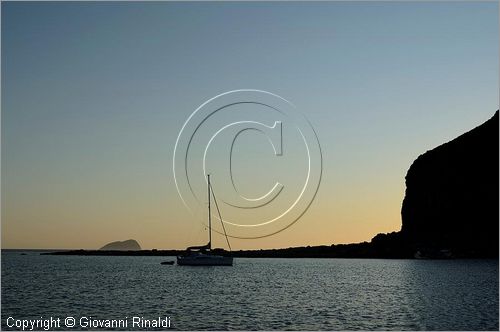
450 209
122 245
451 200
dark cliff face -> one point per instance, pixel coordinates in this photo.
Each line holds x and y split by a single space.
451 199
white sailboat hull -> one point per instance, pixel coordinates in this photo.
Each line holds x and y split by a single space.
201 255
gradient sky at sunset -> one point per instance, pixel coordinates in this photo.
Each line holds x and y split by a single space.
95 94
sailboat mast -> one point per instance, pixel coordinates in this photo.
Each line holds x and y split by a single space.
209 216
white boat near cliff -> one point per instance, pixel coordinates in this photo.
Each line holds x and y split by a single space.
202 255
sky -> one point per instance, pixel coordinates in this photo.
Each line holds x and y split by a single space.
94 96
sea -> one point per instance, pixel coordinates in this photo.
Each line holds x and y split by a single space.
253 294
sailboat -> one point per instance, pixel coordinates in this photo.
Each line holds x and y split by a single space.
202 255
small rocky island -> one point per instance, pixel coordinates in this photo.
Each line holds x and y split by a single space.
122 245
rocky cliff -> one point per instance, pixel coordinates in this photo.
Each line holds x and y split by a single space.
451 201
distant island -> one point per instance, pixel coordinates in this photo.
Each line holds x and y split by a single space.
450 209
122 245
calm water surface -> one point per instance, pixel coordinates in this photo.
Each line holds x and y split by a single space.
256 294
